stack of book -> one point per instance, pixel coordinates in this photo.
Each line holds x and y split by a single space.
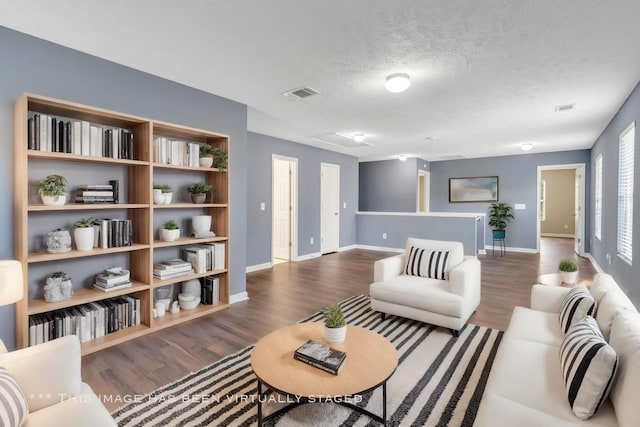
176 152
320 356
210 293
112 279
203 234
172 268
97 193
206 257
113 233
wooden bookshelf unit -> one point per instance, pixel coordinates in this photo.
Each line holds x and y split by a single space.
136 175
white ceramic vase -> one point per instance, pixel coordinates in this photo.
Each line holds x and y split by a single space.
53 200
167 198
569 277
158 197
201 223
84 238
335 335
169 235
206 162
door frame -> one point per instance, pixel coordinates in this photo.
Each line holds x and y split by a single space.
293 232
426 192
337 167
580 169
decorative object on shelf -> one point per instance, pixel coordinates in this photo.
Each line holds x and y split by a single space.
163 295
53 190
476 189
198 191
159 309
188 301
568 271
201 226
58 241
193 287
58 287
220 159
170 231
206 155
335 325
162 194
499 217
175 308
84 234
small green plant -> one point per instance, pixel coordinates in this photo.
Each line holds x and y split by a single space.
220 159
206 150
60 275
171 225
54 185
499 216
84 223
568 265
165 188
333 316
198 188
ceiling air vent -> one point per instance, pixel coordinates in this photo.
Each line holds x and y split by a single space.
339 140
565 107
302 92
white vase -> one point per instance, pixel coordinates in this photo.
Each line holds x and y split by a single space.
158 197
335 335
84 238
206 162
569 277
169 235
201 223
167 198
53 200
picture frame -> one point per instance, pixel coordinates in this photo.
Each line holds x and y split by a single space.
473 189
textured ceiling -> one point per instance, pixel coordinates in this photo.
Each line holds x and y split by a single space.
486 75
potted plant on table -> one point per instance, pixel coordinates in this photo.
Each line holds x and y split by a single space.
499 216
335 325
170 231
162 194
568 271
84 234
53 190
198 191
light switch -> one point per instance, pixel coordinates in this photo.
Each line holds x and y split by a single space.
262 206
520 206
344 205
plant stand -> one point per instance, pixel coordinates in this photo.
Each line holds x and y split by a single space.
501 246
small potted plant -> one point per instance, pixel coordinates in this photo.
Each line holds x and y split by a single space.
206 155
499 217
58 287
170 231
53 190
84 234
335 325
162 194
568 271
198 191
220 159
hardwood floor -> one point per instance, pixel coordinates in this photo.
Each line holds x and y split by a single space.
285 294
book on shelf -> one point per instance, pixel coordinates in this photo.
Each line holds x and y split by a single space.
94 187
203 235
169 264
112 276
210 290
320 356
168 274
115 233
111 288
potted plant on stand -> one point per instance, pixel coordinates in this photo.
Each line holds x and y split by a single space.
170 231
568 271
53 190
499 217
84 234
198 191
335 325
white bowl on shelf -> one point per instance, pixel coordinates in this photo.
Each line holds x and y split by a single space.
188 301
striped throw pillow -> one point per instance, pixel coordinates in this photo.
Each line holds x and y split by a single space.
426 263
589 367
577 304
13 404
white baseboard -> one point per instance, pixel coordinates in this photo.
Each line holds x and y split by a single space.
347 248
379 248
566 236
258 267
482 252
594 263
309 256
242 296
489 249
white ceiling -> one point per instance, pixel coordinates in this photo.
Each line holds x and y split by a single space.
486 75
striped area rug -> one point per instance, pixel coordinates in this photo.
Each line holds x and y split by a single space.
439 382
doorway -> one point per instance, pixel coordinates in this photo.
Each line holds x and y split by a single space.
329 208
285 208
424 178
560 204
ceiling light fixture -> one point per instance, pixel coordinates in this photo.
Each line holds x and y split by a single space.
526 146
402 157
398 82
358 137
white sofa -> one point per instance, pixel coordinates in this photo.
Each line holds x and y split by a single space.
525 387
50 379
448 303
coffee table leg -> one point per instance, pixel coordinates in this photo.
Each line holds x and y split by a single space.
384 403
259 403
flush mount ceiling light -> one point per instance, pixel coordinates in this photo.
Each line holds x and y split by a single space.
402 157
358 137
564 107
430 138
398 82
526 146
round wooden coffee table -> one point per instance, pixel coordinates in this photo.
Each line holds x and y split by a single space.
371 360
554 279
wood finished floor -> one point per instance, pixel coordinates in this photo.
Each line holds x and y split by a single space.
287 293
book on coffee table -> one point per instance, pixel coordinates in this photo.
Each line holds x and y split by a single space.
320 356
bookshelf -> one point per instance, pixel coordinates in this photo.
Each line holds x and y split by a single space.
137 173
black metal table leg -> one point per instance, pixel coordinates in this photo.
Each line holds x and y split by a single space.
259 403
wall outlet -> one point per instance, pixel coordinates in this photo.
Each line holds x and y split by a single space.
311 240
384 236
344 205
262 206
520 206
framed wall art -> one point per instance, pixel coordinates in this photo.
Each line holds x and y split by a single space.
475 189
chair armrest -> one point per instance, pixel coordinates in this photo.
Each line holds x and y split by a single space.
547 298
388 268
464 279
47 373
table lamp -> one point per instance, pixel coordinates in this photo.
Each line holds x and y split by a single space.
11 289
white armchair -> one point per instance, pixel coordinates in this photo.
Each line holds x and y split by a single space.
49 376
448 300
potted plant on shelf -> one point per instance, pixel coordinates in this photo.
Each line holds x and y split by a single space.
335 325
568 271
499 217
58 287
198 191
206 155
53 190
170 231
220 159
162 194
84 234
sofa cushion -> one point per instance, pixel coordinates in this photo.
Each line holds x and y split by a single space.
625 340
13 404
602 283
455 249
612 302
426 263
589 367
534 325
577 304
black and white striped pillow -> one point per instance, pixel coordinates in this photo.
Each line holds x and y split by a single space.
13 404
577 304
426 263
589 367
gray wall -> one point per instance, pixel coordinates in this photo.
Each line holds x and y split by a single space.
607 144
389 185
33 65
259 163
517 181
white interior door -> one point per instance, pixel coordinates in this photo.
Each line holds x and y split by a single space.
579 212
329 208
281 209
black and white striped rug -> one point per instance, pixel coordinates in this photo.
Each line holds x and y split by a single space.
439 382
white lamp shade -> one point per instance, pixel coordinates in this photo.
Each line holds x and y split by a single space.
10 282
398 82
